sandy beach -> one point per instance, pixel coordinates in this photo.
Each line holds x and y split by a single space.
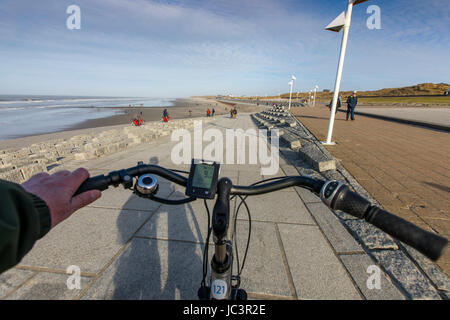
125 115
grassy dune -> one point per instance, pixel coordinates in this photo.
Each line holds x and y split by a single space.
425 94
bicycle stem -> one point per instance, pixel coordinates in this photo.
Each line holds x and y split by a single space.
222 259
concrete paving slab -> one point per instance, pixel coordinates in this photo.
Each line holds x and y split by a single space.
289 170
151 270
307 196
357 265
233 175
247 178
89 239
264 271
277 207
187 222
317 273
13 278
339 237
119 198
48 286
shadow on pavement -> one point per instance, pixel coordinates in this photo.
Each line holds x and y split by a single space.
438 186
160 269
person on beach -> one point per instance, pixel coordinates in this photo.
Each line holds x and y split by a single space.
28 211
166 116
234 113
208 112
213 111
352 101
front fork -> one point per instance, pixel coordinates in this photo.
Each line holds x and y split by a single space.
222 260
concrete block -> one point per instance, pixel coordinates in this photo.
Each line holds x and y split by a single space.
313 156
12 176
32 169
290 140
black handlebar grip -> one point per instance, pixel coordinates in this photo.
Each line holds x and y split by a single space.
350 202
428 243
95 183
338 196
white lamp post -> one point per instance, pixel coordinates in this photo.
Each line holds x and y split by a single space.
342 21
291 83
315 91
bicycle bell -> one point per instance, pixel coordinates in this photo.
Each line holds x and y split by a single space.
147 184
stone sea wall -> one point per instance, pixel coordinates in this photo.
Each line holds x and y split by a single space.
18 165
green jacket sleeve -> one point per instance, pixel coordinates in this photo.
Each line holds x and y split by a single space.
24 218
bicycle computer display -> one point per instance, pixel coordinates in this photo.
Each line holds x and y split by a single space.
202 182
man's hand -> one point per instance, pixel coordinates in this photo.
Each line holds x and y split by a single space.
57 191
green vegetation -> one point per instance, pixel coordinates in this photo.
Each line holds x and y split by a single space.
421 94
432 100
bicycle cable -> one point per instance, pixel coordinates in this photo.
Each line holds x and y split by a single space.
205 251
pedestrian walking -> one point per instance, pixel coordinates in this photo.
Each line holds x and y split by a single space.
352 101
213 111
338 104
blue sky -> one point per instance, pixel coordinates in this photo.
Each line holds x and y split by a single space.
196 47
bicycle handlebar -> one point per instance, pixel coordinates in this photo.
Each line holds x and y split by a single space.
334 194
428 243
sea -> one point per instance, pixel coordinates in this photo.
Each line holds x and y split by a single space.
22 115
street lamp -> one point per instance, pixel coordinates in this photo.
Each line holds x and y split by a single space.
315 91
342 21
291 83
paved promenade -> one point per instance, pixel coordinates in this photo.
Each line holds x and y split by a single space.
429 115
130 248
433 117
403 167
